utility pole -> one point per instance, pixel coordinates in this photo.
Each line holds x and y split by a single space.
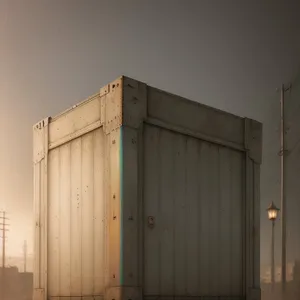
273 257
25 256
3 229
282 186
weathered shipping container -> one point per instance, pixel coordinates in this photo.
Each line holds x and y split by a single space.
141 194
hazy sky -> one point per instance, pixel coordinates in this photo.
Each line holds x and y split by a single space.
228 54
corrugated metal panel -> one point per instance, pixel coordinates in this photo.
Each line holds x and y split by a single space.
76 217
38 259
194 191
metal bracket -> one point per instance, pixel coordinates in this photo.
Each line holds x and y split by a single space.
134 102
105 90
39 140
111 106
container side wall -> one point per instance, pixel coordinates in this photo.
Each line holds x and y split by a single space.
193 195
76 218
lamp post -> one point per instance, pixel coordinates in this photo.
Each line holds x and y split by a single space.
272 214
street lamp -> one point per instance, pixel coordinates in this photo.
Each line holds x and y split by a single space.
272 214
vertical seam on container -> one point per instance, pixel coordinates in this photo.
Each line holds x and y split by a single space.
199 214
159 209
244 231
70 208
219 217
231 225
185 214
210 154
174 212
93 219
121 182
59 220
39 226
253 222
80 211
141 179
121 205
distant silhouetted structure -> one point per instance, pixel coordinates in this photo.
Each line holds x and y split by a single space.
3 224
18 286
25 256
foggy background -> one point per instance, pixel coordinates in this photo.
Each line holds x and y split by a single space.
231 55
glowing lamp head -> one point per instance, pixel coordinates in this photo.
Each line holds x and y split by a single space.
272 212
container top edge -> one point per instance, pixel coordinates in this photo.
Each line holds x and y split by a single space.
73 107
123 77
55 117
224 112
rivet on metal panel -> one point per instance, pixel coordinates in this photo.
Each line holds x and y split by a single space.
114 276
130 218
114 196
114 217
151 221
135 99
133 141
